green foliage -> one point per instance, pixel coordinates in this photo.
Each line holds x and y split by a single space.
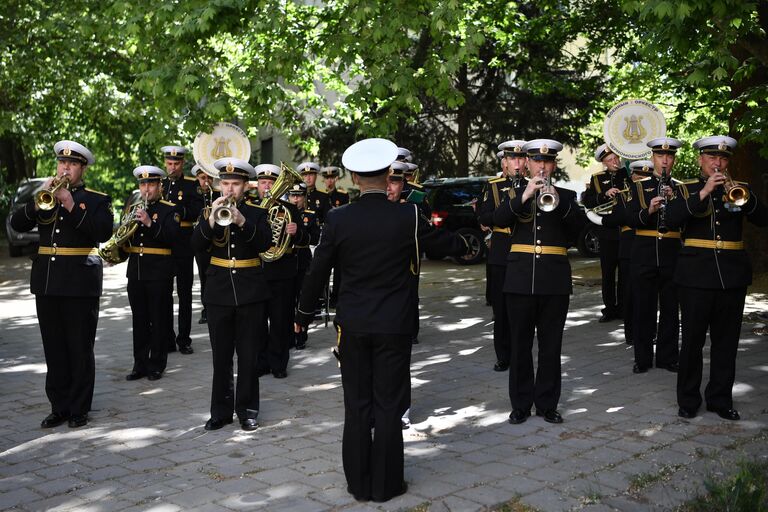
745 491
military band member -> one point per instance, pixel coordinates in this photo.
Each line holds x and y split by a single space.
602 188
150 275
182 191
538 285
336 197
209 194
654 255
281 279
66 280
317 200
235 295
298 195
374 244
496 191
414 192
712 274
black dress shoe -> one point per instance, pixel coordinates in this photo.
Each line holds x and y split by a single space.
358 497
415 341
262 372
280 374
53 420
402 491
186 350
671 367
686 413
726 414
639 368
203 317
301 346
605 318
155 376
518 416
134 375
78 421
630 342
500 366
249 424
551 416
213 424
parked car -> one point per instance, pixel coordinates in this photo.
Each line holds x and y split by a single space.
25 193
453 208
588 244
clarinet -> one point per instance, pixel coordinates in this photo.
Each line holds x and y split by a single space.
516 179
663 182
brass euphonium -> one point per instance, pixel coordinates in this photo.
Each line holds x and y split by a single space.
112 251
278 215
735 194
548 198
45 199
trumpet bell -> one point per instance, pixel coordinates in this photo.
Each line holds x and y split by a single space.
45 200
547 201
737 195
222 216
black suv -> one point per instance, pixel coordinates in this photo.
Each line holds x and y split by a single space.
453 208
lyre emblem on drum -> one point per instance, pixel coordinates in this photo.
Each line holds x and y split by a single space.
634 131
221 149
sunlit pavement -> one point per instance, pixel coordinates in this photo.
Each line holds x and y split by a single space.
622 446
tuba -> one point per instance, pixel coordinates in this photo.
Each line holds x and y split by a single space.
278 215
44 199
113 252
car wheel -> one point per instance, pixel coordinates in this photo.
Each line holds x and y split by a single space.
476 241
588 243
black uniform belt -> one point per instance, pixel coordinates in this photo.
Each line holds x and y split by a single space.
67 251
148 250
301 247
235 263
186 223
625 228
539 249
656 234
714 244
501 230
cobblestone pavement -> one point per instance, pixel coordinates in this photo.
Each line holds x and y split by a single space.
622 447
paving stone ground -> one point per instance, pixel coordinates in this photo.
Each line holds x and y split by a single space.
622 447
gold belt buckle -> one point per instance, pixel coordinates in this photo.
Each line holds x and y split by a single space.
53 249
719 244
537 249
232 263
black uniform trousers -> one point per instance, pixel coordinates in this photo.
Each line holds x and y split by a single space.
184 271
612 290
300 337
235 329
721 312
375 374
625 285
273 355
152 311
496 276
652 285
203 260
68 329
544 314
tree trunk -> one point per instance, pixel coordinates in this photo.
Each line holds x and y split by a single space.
462 123
14 163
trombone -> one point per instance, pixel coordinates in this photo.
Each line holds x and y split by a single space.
222 215
45 199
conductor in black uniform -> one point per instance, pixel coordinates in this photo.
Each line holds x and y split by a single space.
654 255
235 294
373 242
496 191
67 281
602 188
317 200
281 278
150 275
544 220
209 195
182 191
297 196
712 274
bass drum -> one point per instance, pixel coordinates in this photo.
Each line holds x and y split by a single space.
630 124
226 140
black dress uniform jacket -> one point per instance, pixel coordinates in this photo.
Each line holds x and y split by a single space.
161 234
240 243
496 191
650 249
594 195
318 201
540 274
312 228
89 223
377 294
710 220
184 193
337 198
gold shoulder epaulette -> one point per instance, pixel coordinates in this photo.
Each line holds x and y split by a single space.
309 211
644 179
96 191
343 191
216 189
675 181
190 178
689 182
597 173
167 203
497 180
417 185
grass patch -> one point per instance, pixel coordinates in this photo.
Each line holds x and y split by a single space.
421 507
513 505
644 480
745 491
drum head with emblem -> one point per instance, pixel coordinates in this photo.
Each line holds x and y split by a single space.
226 140
630 124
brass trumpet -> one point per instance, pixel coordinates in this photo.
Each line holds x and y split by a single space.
45 199
607 207
735 194
222 215
548 198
